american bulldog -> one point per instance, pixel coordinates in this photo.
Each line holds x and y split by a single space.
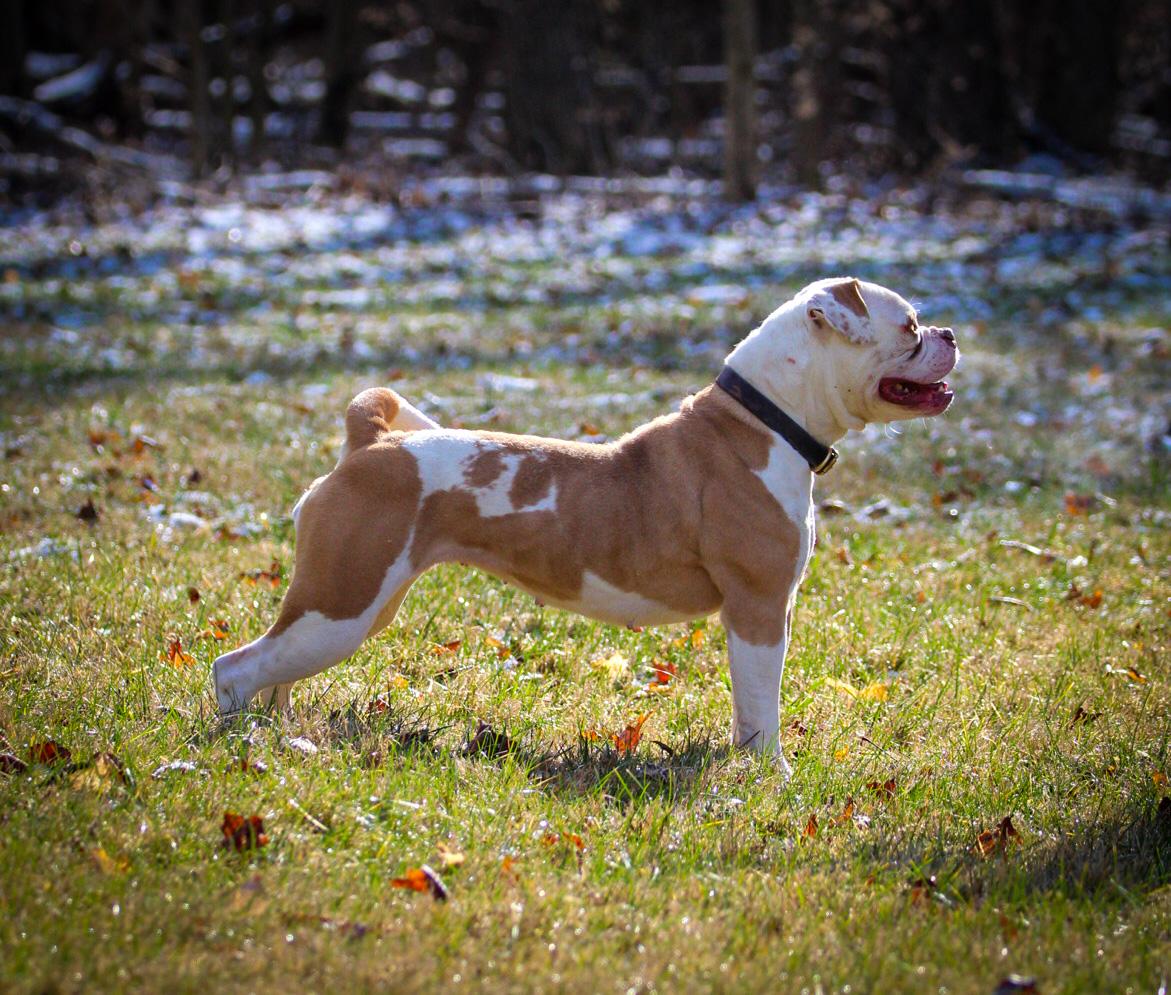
704 510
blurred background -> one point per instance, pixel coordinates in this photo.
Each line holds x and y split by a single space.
109 91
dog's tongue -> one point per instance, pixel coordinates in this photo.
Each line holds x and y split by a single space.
908 392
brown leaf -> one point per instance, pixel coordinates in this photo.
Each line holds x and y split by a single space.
217 628
175 654
271 576
48 752
987 843
1079 504
846 814
884 790
193 594
992 841
552 839
103 771
487 742
921 889
1007 831
88 512
1081 716
422 879
626 741
1159 778
811 826
446 648
243 833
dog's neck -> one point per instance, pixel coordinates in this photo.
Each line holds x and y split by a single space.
775 359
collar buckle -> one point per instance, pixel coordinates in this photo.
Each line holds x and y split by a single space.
826 464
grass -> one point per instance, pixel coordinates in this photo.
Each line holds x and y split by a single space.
943 678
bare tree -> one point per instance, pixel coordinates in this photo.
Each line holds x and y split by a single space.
739 100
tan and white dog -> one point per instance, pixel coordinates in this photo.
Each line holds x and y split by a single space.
705 510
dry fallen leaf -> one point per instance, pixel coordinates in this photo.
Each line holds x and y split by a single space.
627 740
811 826
104 771
615 666
243 833
996 840
48 752
846 815
921 889
552 839
487 742
88 512
271 576
661 673
884 790
193 594
446 648
1079 504
1159 778
107 864
422 879
449 857
175 653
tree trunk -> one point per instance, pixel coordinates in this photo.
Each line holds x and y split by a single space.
12 49
740 100
341 72
197 88
816 84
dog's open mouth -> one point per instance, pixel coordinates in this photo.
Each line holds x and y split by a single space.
909 394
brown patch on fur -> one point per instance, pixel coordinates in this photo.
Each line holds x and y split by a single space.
484 468
352 527
673 512
369 415
848 293
531 484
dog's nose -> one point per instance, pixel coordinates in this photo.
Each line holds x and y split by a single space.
947 333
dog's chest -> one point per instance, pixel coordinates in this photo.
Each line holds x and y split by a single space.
787 477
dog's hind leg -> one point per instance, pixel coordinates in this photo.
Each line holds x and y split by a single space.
310 644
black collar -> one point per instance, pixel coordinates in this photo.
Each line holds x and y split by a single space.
820 458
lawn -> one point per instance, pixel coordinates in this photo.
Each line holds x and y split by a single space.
977 702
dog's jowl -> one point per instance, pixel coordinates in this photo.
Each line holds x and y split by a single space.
707 509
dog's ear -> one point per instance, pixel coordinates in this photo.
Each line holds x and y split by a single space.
840 306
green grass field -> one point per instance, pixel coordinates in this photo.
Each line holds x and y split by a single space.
983 636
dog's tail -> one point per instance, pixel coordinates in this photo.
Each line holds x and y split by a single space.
379 410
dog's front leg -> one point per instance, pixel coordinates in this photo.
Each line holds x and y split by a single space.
756 685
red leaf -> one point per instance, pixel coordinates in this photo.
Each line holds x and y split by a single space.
422 879
243 833
48 752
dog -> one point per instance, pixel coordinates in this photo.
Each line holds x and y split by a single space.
706 510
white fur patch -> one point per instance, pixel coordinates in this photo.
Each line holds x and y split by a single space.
787 477
445 457
602 600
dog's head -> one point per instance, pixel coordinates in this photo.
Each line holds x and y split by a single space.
887 367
